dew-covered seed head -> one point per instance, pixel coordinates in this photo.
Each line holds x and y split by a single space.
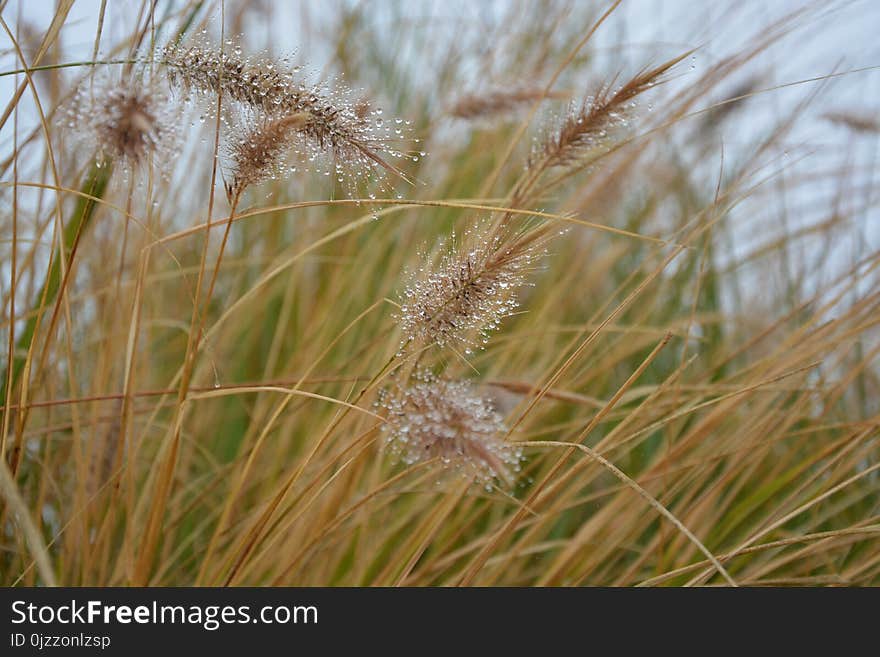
591 124
344 137
580 129
441 419
473 287
125 122
257 153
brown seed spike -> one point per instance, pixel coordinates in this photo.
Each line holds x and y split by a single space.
483 105
257 154
597 116
866 122
338 127
471 291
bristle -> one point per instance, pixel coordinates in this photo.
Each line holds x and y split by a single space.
438 418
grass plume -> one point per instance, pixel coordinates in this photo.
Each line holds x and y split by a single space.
125 123
258 154
494 103
434 418
590 125
338 126
471 290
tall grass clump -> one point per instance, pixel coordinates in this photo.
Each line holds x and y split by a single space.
433 301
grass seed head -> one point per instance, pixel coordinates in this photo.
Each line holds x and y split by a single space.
592 123
343 135
258 153
125 122
445 419
467 295
492 104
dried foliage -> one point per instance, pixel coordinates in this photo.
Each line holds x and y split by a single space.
672 304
